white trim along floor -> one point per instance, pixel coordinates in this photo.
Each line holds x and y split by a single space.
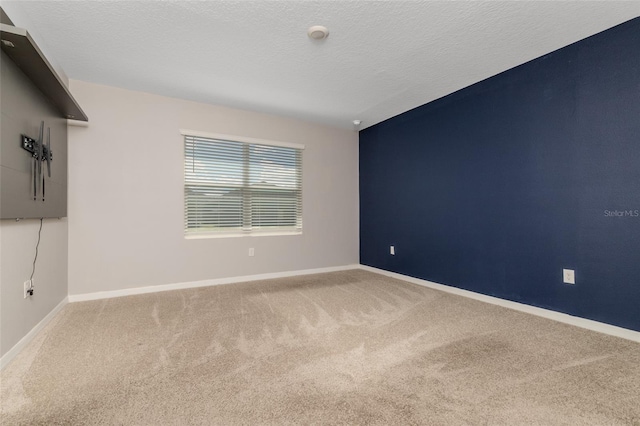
541 312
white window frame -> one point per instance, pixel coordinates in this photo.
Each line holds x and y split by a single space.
236 232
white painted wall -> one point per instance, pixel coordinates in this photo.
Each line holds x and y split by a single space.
17 249
126 194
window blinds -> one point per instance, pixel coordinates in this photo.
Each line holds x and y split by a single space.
238 187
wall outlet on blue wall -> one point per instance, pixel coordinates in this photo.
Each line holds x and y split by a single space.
392 250
569 276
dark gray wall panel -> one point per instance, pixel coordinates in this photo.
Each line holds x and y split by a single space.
23 108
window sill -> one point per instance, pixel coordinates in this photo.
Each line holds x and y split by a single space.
236 235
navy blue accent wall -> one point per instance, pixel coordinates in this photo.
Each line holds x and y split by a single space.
499 186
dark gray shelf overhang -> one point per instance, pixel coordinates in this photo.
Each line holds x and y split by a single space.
20 47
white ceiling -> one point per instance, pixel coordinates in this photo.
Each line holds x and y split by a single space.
382 57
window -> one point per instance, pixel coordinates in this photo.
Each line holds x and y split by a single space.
241 186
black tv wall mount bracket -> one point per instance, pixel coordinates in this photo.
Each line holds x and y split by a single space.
40 152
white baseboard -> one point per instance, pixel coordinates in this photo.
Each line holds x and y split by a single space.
541 312
545 313
204 283
15 350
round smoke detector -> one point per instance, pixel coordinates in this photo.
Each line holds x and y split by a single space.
318 32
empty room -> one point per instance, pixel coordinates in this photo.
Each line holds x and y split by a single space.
320 212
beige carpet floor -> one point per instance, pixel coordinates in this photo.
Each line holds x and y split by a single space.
348 347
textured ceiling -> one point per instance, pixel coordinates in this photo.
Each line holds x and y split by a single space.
382 57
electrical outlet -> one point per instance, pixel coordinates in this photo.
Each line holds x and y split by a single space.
251 251
569 276
392 250
27 289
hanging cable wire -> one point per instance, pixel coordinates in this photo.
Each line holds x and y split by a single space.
33 271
